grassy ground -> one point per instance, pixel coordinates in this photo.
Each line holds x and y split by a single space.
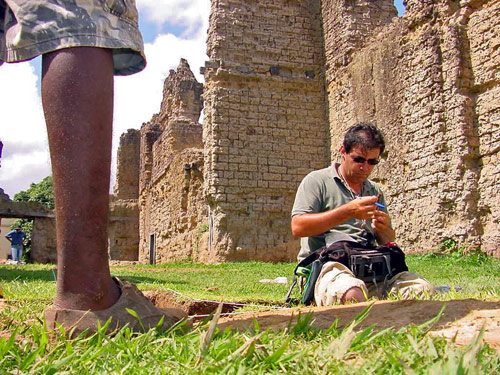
26 347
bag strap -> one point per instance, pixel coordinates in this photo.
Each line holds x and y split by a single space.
287 297
323 255
303 263
308 295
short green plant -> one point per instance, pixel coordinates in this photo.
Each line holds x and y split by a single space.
202 229
298 349
451 247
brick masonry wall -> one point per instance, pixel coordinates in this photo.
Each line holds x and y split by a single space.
429 81
483 34
173 210
123 229
128 157
171 203
43 241
347 25
265 122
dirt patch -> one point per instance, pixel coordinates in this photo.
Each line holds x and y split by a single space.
461 320
201 308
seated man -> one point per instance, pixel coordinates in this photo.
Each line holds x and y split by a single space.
338 203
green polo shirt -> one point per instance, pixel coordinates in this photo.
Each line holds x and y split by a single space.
324 190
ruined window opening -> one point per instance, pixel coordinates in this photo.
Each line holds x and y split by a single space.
152 248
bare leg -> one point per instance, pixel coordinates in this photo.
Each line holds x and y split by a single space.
354 295
77 97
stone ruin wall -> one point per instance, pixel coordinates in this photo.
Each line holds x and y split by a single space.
431 81
123 229
284 81
483 34
171 204
43 241
264 125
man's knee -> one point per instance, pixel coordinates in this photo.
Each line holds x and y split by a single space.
337 284
410 285
355 294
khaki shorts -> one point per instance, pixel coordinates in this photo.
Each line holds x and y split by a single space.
29 28
335 280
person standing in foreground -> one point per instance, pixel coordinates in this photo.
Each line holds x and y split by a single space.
83 43
340 203
16 238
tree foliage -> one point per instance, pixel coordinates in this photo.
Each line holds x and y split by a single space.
41 192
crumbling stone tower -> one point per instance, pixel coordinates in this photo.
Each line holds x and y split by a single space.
123 228
171 205
265 122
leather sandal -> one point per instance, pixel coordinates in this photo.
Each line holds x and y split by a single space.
78 321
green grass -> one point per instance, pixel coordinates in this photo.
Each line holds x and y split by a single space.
26 347
477 276
228 281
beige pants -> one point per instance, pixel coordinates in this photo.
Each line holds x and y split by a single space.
335 280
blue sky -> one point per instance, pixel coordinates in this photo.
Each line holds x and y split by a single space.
399 5
172 29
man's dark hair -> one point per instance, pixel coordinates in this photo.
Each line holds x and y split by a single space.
364 134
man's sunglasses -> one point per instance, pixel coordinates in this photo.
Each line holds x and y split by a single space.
361 160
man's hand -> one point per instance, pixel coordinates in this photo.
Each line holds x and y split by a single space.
380 221
363 208
313 224
382 228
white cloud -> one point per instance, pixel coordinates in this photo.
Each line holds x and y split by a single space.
190 14
25 156
137 97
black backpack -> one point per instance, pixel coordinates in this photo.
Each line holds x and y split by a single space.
369 264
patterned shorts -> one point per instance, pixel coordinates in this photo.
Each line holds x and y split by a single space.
29 28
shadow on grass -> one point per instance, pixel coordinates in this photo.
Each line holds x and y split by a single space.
13 273
135 279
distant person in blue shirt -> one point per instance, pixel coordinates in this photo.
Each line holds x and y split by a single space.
16 238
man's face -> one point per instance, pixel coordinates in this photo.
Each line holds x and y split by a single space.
356 165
